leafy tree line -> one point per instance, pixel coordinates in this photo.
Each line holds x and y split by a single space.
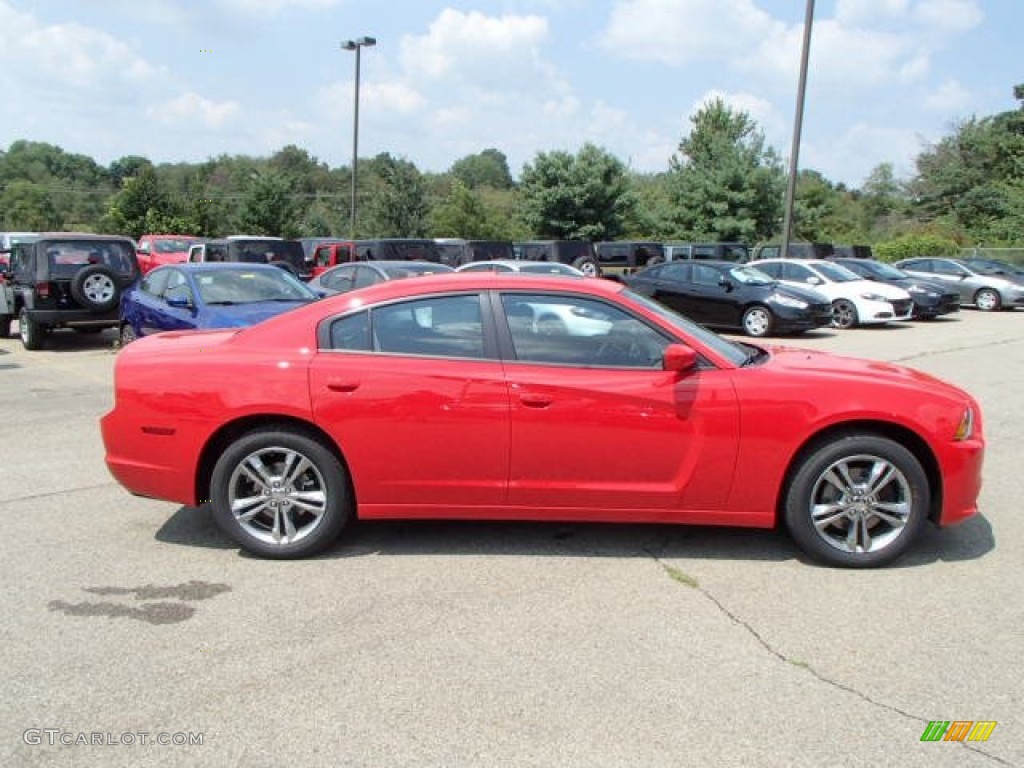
723 183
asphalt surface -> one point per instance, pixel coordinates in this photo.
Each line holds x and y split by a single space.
465 644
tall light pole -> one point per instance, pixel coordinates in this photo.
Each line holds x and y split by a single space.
794 154
356 45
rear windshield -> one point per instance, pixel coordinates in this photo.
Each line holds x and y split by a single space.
266 251
68 257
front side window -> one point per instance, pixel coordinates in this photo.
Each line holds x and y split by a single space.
178 288
579 332
339 280
156 281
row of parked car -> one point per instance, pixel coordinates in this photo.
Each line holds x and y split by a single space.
92 282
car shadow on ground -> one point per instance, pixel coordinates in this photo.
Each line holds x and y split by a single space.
194 527
67 339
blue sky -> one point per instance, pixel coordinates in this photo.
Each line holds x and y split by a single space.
188 80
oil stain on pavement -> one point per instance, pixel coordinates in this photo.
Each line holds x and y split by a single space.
163 612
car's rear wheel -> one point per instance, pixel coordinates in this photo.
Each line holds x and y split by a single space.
127 334
32 333
987 300
844 314
280 494
857 501
757 321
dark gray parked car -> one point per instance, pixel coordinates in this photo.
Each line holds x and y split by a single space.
982 289
930 298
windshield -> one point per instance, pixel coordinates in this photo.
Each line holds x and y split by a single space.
836 273
750 276
173 245
886 271
246 286
734 353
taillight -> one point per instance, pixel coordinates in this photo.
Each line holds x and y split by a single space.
43 290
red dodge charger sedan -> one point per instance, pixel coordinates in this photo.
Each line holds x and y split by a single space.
516 397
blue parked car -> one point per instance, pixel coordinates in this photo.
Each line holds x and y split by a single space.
220 295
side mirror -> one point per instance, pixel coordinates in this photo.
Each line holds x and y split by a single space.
725 282
180 302
678 357
813 280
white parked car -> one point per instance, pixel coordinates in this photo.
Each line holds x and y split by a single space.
521 265
855 301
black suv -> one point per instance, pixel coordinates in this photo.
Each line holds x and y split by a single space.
68 280
286 254
623 257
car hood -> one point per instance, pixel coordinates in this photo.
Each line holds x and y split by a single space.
874 373
810 295
241 315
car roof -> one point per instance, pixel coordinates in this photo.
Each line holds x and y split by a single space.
477 281
809 262
204 266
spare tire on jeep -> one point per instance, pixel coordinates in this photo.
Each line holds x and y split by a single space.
95 288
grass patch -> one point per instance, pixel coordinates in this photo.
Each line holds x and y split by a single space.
682 578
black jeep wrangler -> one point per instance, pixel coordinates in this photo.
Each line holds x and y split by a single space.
67 280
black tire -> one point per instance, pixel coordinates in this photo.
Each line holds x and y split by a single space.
323 476
880 532
32 333
588 266
127 334
988 300
286 266
844 314
95 288
758 321
5 325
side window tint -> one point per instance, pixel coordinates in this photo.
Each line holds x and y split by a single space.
442 326
177 287
155 282
705 275
364 277
579 332
675 271
352 333
338 280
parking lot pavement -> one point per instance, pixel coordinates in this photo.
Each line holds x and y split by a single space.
495 644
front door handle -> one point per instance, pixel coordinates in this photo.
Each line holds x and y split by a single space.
534 400
343 385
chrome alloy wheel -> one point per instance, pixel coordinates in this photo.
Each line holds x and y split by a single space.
99 289
277 495
861 504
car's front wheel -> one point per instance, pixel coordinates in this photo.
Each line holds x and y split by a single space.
32 333
757 321
280 493
127 334
844 314
987 300
857 501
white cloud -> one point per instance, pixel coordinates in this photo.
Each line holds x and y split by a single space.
852 154
271 7
855 12
471 45
949 97
952 16
760 109
678 31
190 108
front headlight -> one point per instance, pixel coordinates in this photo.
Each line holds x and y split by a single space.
925 291
965 428
788 301
872 297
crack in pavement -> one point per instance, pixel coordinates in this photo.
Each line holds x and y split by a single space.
948 350
679 576
48 494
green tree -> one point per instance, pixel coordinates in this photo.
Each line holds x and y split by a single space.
910 245
28 207
397 204
485 169
269 207
584 196
726 185
463 213
139 202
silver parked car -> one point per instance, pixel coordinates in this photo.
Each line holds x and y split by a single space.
977 286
